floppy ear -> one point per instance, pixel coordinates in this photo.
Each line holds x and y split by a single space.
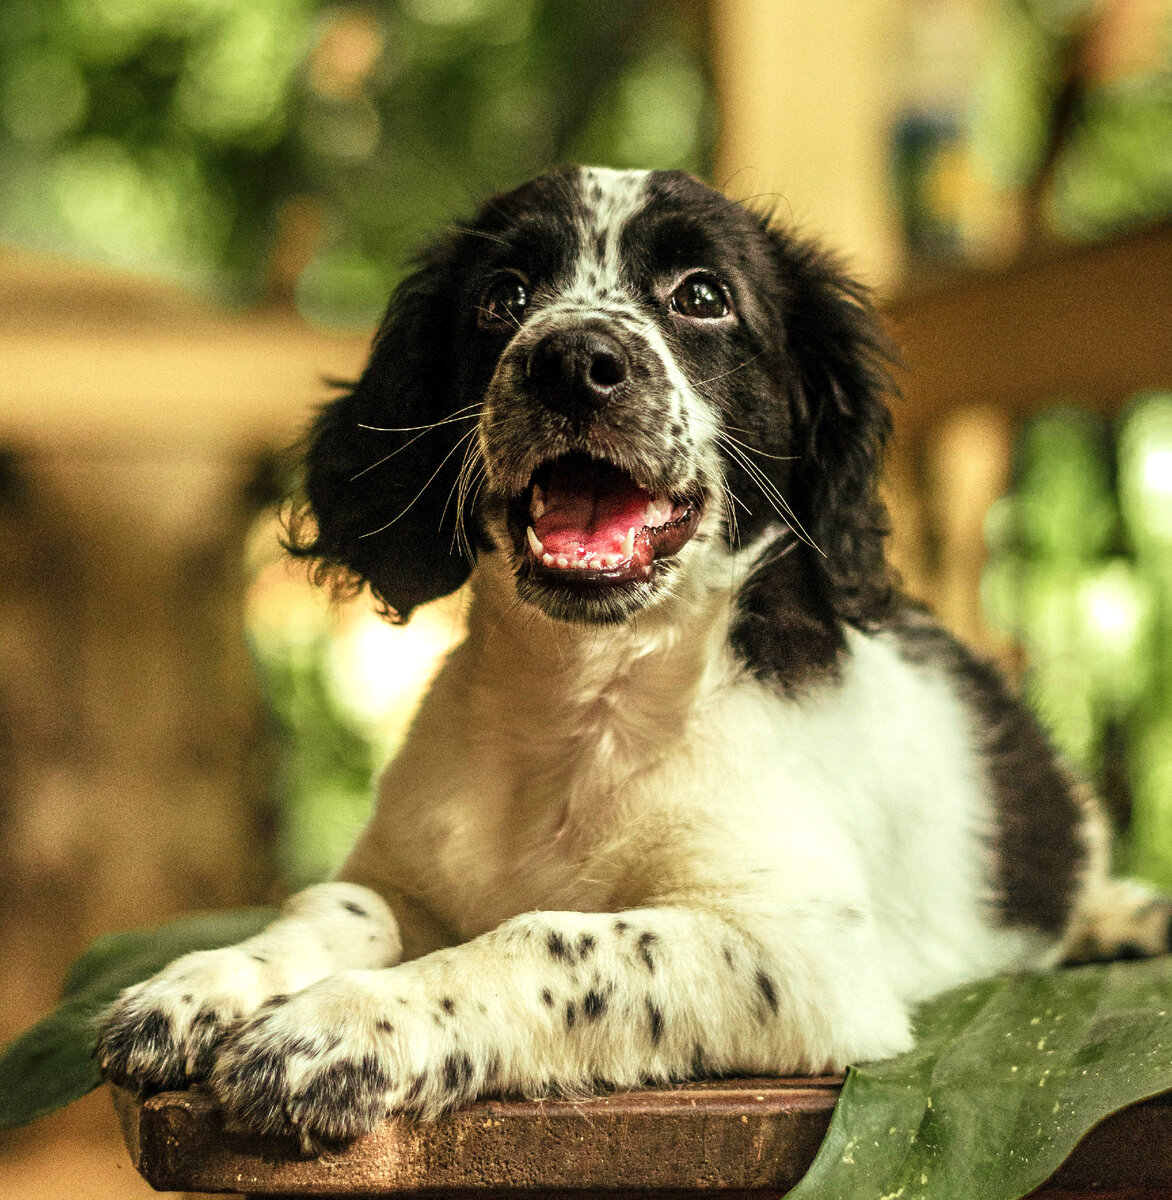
380 497
838 355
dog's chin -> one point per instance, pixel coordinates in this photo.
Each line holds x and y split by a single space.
593 545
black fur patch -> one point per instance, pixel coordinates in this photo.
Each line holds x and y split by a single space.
547 997
593 1005
571 1015
768 989
448 1005
559 950
585 945
1038 838
655 1017
646 941
457 1072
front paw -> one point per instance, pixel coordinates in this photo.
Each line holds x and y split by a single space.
337 1059
162 1033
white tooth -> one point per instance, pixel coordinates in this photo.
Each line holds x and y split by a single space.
613 560
596 564
534 545
563 561
548 559
582 564
629 543
537 507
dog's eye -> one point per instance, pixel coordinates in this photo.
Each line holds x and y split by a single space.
702 297
503 303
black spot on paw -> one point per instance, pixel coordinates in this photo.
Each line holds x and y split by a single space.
593 1005
384 1026
585 945
188 998
547 997
559 951
448 1005
728 955
655 1017
571 1015
646 944
343 1100
768 989
302 1045
699 1062
457 1073
492 1072
356 909
417 1086
621 927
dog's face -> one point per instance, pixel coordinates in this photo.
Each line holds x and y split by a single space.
602 378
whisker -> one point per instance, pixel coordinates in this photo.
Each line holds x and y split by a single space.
762 453
731 370
463 437
772 494
448 420
496 316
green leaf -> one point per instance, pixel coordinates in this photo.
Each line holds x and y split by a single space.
52 1065
1005 1078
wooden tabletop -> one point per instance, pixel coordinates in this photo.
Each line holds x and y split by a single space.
726 1137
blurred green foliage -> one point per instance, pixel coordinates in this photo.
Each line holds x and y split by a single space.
1081 575
210 138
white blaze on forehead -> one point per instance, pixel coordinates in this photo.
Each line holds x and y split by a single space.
609 199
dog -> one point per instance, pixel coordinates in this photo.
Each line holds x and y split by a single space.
701 793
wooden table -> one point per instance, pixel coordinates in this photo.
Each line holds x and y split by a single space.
728 1138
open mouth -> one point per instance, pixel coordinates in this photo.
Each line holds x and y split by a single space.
585 523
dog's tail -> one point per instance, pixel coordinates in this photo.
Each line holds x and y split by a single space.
1120 918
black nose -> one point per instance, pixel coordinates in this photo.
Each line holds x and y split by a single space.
573 371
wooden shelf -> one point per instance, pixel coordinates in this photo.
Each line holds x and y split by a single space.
96 359
734 1137
1092 324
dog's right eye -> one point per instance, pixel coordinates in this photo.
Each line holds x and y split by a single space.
503 303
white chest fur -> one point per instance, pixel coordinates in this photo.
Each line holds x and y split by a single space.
594 769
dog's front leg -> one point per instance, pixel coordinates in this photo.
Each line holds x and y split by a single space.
161 1033
558 1002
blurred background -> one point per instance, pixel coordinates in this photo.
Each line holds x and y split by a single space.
203 206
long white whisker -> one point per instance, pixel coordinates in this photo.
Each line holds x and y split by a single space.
448 420
423 489
772 494
731 370
762 453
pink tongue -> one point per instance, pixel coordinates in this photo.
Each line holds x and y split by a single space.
589 507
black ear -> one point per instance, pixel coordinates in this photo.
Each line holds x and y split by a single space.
380 488
838 358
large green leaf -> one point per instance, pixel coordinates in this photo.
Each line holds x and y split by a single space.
52 1065
1006 1076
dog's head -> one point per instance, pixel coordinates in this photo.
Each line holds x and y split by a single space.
603 378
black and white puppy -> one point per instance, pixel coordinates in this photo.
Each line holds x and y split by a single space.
700 793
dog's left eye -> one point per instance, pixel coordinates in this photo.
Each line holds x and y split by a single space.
504 302
702 297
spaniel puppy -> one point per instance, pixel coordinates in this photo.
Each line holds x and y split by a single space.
701 793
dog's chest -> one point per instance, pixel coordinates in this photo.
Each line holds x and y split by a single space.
540 802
